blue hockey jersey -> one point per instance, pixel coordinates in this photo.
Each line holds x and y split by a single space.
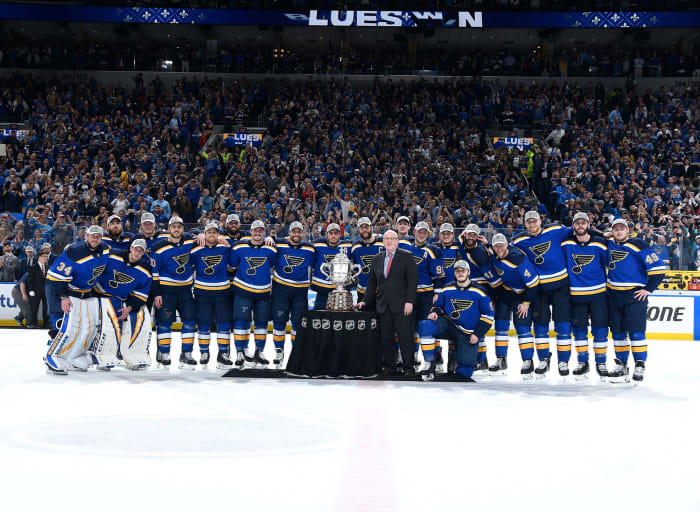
514 278
211 266
362 254
586 264
150 240
468 309
428 259
544 251
293 264
129 282
633 265
450 254
325 254
122 242
478 259
171 264
75 272
254 265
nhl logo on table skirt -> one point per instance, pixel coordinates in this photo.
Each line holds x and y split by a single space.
326 324
304 322
349 325
337 325
361 325
373 323
316 323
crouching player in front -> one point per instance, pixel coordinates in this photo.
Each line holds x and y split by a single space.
213 296
586 259
290 286
254 262
634 271
516 283
73 308
126 322
463 314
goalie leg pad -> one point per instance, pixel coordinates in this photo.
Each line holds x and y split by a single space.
77 329
136 338
106 344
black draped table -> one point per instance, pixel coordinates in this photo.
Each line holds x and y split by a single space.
336 344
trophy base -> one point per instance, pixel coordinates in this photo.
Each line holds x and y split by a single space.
339 301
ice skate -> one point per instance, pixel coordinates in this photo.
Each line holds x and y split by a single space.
240 360
187 362
543 368
439 361
223 361
163 360
527 369
620 374
602 371
259 361
428 373
451 362
638 374
482 367
499 367
563 367
278 361
204 359
581 371
54 368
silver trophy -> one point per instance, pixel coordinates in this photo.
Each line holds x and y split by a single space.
340 271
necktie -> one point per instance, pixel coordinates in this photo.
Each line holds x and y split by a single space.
388 265
42 269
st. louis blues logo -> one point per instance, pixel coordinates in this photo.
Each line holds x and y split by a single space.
292 261
539 251
329 257
182 260
581 260
499 271
120 278
211 262
459 305
255 262
96 272
418 259
366 263
448 262
615 257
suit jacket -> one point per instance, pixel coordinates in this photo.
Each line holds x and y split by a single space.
24 265
399 287
36 280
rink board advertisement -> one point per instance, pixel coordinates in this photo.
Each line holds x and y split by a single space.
671 314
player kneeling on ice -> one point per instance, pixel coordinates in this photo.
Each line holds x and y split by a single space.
125 321
461 313
73 307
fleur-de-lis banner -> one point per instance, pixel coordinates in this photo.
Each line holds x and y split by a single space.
326 18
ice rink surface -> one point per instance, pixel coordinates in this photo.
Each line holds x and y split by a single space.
183 440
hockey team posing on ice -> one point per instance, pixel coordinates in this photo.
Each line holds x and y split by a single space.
101 292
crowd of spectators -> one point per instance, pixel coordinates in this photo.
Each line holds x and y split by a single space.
537 60
334 152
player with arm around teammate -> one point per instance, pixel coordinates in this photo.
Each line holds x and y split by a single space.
212 296
125 326
326 248
362 253
462 313
290 286
254 262
172 283
517 284
586 260
634 272
73 307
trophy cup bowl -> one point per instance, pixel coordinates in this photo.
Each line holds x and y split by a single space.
340 271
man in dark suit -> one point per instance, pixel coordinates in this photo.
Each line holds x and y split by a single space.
26 263
391 288
35 284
